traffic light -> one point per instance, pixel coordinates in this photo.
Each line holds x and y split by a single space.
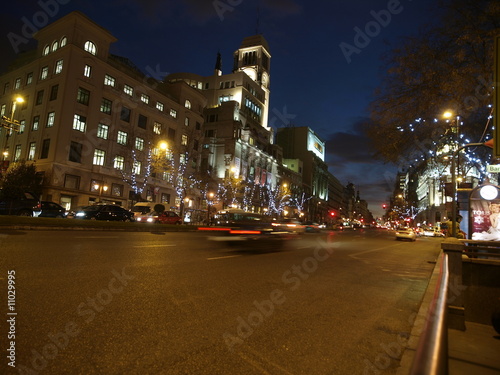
332 213
384 206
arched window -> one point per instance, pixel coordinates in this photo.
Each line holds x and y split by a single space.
55 45
46 50
64 40
187 104
90 47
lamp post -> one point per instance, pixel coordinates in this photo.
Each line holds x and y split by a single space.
209 204
100 188
11 123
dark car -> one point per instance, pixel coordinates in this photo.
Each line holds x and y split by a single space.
51 209
21 203
108 212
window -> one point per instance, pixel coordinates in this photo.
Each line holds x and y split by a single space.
136 168
145 98
22 126
75 152
31 151
64 40
71 182
159 106
46 50
3 108
90 47
50 119
59 66
173 113
119 162
125 114
128 90
53 92
142 121
17 84
44 73
83 96
121 138
39 97
6 88
87 71
29 78
139 144
79 123
116 190
186 121
36 123
99 156
102 131
44 154
187 104
184 140
17 153
55 46
109 81
157 128
106 106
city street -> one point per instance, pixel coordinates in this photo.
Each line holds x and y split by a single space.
104 302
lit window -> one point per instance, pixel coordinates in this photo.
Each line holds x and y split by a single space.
17 84
109 81
51 117
119 162
55 46
44 73
121 138
46 50
102 131
64 40
99 156
106 105
22 126
29 78
184 140
128 90
145 98
186 121
173 113
139 144
157 128
90 47
59 66
17 153
36 122
31 151
79 123
159 106
136 168
187 104
87 71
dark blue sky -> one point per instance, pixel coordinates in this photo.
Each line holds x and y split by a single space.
313 81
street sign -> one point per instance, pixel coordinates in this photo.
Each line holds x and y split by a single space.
493 168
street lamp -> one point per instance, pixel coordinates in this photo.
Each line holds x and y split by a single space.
100 188
11 123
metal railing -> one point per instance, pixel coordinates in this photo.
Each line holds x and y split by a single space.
431 356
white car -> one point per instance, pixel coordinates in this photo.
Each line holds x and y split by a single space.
405 234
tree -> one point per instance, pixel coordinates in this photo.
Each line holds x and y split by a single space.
448 66
21 177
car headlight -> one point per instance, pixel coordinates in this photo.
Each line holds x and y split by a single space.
150 220
80 214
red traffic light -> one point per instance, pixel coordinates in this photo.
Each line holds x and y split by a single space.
384 206
332 213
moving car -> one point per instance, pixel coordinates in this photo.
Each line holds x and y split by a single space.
20 203
108 212
51 209
405 234
166 217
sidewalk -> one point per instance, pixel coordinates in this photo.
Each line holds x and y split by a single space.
474 351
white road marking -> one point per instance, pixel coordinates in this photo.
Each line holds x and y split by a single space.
224 257
155 245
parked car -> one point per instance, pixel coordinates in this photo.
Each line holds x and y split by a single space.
22 204
166 217
143 208
405 234
51 209
108 212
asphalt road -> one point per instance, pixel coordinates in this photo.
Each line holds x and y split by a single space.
92 302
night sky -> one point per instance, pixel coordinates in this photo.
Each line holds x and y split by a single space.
314 82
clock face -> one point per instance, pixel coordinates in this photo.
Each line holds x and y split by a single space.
265 79
251 73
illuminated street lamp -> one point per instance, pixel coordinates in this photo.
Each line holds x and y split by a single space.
210 196
100 188
12 123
